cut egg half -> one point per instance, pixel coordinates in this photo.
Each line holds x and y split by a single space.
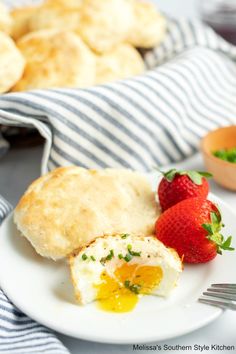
117 270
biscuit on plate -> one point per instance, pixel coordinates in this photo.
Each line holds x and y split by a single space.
21 17
5 19
11 63
122 62
149 25
105 23
55 58
71 206
55 15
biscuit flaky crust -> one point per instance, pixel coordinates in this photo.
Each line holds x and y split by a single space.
149 26
5 19
11 63
55 58
21 17
55 15
122 62
73 4
105 23
71 206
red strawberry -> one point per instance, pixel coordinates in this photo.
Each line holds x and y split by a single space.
176 186
192 227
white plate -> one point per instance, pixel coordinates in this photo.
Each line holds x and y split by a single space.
42 289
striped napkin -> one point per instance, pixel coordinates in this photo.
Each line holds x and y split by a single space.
153 119
18 333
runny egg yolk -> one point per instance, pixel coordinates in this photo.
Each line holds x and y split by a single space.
120 293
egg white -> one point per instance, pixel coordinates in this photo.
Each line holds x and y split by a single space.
86 272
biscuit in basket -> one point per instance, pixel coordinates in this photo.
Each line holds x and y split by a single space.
21 17
122 62
149 25
55 58
55 15
5 19
11 63
71 206
65 3
105 23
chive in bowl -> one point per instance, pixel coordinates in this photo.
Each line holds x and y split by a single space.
219 142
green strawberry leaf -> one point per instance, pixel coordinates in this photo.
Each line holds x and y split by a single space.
205 174
170 175
195 176
214 235
208 228
227 244
216 219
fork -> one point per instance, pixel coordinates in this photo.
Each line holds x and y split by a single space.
220 295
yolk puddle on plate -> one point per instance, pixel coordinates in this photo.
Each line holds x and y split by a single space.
120 294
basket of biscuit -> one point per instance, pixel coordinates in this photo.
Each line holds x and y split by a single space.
59 43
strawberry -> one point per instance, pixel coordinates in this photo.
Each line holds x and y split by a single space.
176 186
192 227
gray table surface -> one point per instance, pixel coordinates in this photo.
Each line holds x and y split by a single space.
19 167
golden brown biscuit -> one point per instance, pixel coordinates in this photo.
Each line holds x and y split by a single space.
55 58
5 19
105 23
65 3
21 17
55 15
69 207
122 62
149 25
11 63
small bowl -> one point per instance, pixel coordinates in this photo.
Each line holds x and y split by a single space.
224 172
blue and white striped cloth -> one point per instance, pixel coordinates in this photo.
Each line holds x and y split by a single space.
149 120
18 333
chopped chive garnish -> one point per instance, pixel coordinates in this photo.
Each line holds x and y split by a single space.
132 253
134 288
136 254
124 236
120 256
93 258
84 257
103 260
127 283
110 255
128 257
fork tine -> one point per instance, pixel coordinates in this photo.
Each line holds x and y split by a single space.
224 286
220 295
222 290
221 304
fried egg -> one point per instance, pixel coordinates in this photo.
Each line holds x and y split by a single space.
118 270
